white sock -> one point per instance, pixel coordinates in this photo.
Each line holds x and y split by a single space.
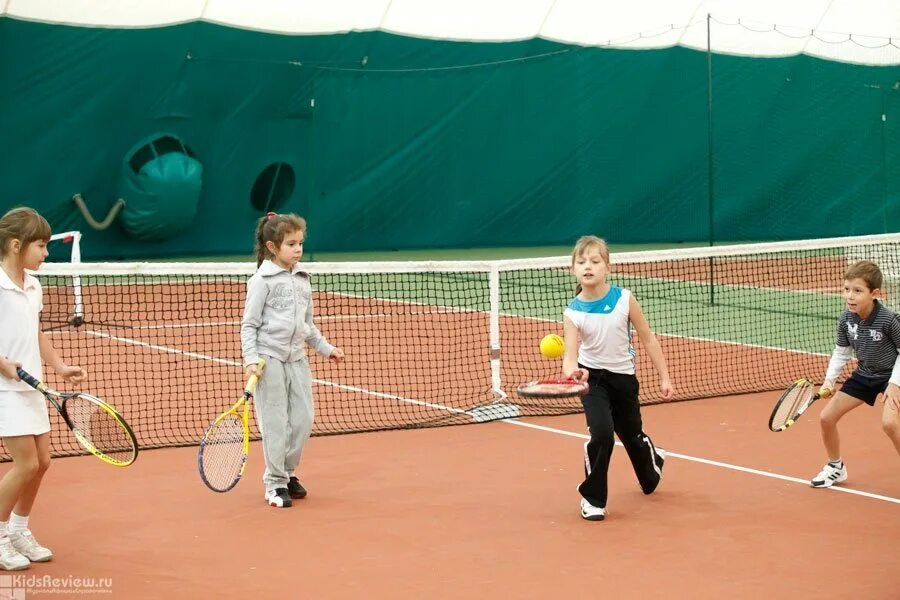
836 463
3 537
17 523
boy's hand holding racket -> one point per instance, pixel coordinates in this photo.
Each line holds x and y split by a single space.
795 401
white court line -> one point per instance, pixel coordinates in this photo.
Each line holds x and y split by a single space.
434 405
234 363
713 463
165 349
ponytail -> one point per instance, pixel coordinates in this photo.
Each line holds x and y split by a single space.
261 250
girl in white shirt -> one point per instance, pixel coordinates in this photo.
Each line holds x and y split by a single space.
597 326
24 421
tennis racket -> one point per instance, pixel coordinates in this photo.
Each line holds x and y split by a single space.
225 446
95 424
793 403
554 387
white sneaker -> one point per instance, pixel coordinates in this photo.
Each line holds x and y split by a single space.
591 512
829 476
279 498
11 559
26 545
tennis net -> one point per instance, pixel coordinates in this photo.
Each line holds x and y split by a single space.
443 343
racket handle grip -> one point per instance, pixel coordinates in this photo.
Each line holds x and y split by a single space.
251 383
28 378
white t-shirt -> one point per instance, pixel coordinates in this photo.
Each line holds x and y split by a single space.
605 331
20 312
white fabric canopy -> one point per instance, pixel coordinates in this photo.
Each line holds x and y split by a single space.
860 31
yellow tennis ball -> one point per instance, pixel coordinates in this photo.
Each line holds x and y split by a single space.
552 346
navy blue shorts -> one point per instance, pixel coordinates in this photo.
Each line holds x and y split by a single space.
865 388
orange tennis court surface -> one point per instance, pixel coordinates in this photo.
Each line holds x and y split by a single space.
491 511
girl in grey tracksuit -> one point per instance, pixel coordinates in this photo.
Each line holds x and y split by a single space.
277 325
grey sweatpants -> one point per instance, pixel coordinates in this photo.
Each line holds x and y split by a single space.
284 412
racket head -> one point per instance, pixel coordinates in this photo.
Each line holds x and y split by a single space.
224 449
553 387
793 402
100 429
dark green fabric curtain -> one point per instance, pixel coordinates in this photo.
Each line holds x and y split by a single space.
396 142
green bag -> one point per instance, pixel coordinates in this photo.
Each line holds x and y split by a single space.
160 184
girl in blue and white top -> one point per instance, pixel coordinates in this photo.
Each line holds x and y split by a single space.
278 325
24 421
597 326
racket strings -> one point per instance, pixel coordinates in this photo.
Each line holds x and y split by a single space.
96 427
222 453
788 409
552 388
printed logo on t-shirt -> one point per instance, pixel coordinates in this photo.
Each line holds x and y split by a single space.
281 296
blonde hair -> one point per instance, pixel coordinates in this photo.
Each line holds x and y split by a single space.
23 224
585 243
274 228
868 272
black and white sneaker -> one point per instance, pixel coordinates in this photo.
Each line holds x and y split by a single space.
590 512
830 475
658 455
297 491
279 498
659 459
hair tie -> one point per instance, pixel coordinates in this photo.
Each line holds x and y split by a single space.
270 215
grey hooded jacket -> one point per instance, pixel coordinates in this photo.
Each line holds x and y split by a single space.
278 316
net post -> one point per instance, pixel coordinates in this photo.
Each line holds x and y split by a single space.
75 258
710 165
78 317
494 330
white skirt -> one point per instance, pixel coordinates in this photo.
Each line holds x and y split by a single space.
23 413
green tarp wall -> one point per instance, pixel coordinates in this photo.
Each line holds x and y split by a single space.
398 142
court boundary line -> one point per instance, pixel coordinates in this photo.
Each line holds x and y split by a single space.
714 463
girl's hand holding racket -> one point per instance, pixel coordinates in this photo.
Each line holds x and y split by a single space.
8 368
579 375
225 447
253 370
96 425
553 387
